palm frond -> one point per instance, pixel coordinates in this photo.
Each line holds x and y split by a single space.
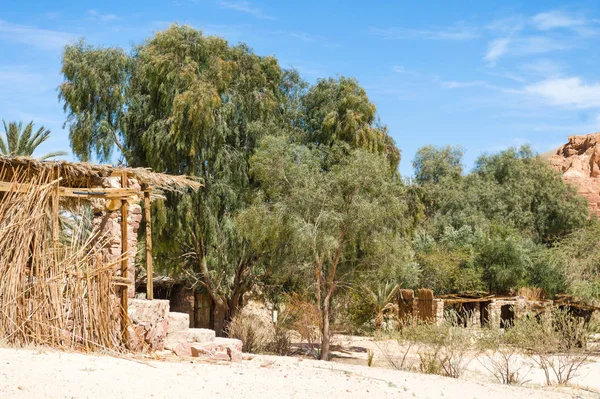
3 143
52 155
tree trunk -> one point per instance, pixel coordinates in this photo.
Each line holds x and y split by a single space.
325 332
220 319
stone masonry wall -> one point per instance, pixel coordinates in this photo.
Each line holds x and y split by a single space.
150 321
108 223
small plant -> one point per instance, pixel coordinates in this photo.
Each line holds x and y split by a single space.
370 358
501 357
303 317
442 348
281 344
255 334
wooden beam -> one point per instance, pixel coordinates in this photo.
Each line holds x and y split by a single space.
96 192
149 271
124 262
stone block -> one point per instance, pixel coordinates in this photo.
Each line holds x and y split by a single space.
150 323
178 322
220 349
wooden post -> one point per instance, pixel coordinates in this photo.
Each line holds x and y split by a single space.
124 260
149 272
55 211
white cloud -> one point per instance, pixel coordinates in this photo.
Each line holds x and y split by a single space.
41 38
245 7
401 69
453 84
496 49
544 68
556 19
457 32
572 92
522 46
102 17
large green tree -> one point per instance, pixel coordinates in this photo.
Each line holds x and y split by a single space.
339 111
341 219
23 141
183 102
491 229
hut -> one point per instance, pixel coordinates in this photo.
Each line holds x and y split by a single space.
60 286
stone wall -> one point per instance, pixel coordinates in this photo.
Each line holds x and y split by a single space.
150 321
108 223
182 300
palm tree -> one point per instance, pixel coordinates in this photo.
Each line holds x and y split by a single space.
19 141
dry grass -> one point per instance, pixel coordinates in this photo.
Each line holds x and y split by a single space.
52 293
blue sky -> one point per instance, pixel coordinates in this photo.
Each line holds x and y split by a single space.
485 75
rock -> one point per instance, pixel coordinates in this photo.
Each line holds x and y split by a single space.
227 349
180 341
178 322
579 162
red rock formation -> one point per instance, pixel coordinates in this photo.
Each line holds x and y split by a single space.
579 162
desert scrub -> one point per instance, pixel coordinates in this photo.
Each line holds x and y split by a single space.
255 333
502 356
556 341
443 348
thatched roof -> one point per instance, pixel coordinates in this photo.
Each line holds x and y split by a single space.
83 174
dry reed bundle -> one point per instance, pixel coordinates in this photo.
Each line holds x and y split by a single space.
405 301
52 292
425 304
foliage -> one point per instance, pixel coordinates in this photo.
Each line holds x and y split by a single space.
19 141
502 356
578 257
433 164
186 103
259 335
443 348
339 111
337 216
492 229
556 342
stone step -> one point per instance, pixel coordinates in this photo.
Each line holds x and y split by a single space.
178 322
198 335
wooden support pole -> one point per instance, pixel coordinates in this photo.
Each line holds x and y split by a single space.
55 211
149 272
124 260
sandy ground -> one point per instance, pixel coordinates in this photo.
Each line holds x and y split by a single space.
354 349
46 373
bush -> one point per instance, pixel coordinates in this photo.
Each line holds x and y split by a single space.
501 357
258 333
556 342
303 317
442 348
255 334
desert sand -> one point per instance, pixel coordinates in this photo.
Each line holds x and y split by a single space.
45 373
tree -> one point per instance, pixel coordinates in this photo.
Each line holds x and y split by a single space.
23 141
339 111
517 205
185 103
338 216
432 164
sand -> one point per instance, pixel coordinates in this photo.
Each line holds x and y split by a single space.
26 373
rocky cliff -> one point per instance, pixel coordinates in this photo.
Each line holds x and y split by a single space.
579 162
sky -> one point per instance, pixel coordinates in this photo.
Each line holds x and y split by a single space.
485 75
